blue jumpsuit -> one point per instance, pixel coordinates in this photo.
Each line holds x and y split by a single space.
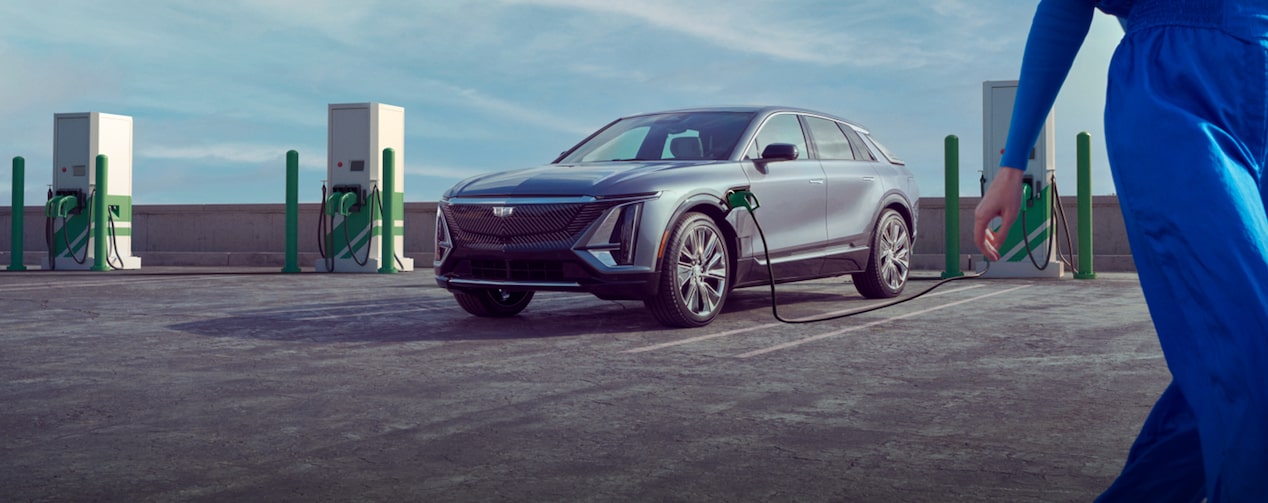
1186 126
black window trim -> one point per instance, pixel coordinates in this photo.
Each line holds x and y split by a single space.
857 142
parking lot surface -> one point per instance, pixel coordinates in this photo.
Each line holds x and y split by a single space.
186 384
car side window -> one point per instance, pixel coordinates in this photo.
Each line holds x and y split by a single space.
830 141
862 153
782 128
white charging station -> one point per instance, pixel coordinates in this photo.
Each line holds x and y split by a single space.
1018 255
357 135
78 138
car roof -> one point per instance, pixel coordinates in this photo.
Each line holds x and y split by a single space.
761 110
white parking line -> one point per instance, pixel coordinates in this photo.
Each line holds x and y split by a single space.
768 325
835 333
72 283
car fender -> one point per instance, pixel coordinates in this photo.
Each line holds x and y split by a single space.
891 199
711 203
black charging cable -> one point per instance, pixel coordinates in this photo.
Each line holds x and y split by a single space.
66 232
114 245
369 235
324 242
48 234
1025 232
379 202
1057 210
745 199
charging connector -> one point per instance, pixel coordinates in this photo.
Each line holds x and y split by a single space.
742 198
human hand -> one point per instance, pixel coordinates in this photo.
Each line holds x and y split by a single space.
1003 200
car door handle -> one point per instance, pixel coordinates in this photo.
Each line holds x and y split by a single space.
816 181
869 179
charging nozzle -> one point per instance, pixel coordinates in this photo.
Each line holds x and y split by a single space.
341 203
61 206
741 198
1028 192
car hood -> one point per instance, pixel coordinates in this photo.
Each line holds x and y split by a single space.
601 178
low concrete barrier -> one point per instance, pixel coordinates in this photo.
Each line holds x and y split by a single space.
1109 235
254 234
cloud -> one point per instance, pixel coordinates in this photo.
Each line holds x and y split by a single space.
770 29
446 172
229 152
432 91
225 88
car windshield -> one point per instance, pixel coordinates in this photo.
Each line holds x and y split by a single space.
670 136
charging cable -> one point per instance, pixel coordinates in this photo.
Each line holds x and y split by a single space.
114 245
379 201
322 236
1028 194
66 232
1057 210
741 198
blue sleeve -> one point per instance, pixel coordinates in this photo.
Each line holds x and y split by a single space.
1055 37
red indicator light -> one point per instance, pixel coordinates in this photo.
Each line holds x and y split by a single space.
339 164
1001 151
63 169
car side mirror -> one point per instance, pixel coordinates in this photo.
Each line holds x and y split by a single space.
780 152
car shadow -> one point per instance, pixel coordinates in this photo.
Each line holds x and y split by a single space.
413 318
409 319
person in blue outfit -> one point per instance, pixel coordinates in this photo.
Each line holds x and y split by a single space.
1186 130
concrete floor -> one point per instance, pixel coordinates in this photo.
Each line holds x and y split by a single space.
184 384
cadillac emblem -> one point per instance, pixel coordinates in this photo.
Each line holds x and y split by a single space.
502 211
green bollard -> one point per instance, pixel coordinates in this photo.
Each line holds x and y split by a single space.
1084 153
951 147
100 247
388 197
292 212
19 202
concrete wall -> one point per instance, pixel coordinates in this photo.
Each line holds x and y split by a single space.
254 234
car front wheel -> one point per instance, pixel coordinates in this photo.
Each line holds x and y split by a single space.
493 302
890 260
695 274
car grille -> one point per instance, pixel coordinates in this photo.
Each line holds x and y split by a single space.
517 270
529 227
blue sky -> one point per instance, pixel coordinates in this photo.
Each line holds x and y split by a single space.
219 91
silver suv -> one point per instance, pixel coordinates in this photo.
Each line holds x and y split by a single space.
640 210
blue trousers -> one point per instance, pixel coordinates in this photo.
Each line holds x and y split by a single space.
1187 135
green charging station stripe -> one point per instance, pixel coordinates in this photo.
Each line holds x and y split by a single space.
356 224
78 226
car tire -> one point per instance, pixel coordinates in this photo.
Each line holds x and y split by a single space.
889 261
493 302
695 274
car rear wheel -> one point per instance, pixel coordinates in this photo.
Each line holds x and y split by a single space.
890 260
493 302
695 274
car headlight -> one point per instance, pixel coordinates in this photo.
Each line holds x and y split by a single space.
443 241
614 241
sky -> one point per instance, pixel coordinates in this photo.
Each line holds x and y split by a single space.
219 91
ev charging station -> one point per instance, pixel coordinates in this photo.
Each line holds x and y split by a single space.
1029 251
78 138
351 226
